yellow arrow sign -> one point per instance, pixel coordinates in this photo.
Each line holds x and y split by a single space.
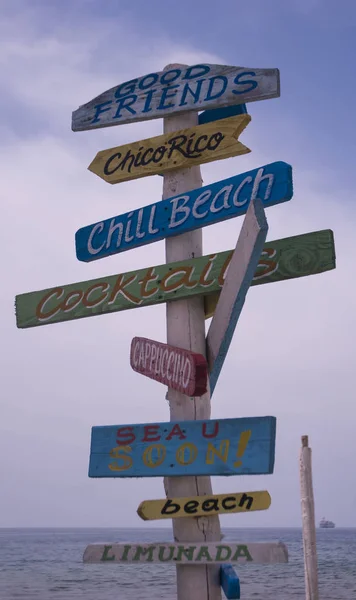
178 150
203 506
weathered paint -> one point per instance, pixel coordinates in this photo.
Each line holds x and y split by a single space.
230 582
178 90
187 553
288 258
197 208
179 369
238 279
203 506
213 447
163 153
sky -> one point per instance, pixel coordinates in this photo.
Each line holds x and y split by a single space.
292 355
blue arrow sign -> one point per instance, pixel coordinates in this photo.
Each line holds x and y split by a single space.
214 447
198 208
215 114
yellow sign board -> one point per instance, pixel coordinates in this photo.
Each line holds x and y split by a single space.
210 303
203 506
181 149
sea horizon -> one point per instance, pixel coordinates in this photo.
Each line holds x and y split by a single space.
46 563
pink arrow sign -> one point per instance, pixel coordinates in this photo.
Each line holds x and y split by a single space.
182 370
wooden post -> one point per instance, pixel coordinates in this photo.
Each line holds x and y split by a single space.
308 522
186 329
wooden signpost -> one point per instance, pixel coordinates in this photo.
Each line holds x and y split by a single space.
283 259
236 552
190 448
184 212
242 268
186 328
203 506
209 447
201 144
179 369
175 91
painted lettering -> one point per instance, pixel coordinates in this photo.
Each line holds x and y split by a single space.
210 504
199 86
215 431
229 499
98 228
246 499
242 551
203 553
154 455
105 555
176 431
202 199
98 299
202 505
125 436
161 556
213 203
170 508
195 93
250 83
113 227
256 185
222 452
45 316
72 300
99 110
148 278
149 431
141 551
217 89
224 192
120 288
176 208
191 507
186 373
125 103
192 454
184 280
266 266
188 552
168 92
125 553
219 554
121 453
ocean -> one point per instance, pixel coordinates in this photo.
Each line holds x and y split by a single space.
46 564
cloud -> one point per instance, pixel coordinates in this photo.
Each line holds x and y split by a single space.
324 12
292 354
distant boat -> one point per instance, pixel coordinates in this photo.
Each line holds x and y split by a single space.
324 524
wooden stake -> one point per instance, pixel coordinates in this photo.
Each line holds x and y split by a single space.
308 522
186 329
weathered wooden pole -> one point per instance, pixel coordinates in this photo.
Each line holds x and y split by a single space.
308 521
186 329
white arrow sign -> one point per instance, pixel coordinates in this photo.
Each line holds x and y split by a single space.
238 279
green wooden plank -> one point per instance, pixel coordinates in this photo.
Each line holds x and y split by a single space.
287 258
